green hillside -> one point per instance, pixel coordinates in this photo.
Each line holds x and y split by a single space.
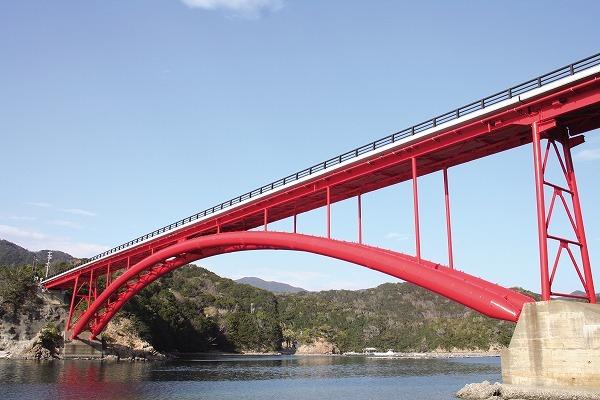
13 254
400 316
195 310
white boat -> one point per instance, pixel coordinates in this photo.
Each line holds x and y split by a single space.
388 353
369 351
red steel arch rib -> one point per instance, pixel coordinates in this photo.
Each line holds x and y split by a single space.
485 297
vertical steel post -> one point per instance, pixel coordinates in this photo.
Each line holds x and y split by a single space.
416 208
95 288
448 220
295 223
90 288
585 256
70 316
541 210
328 212
359 197
266 219
108 275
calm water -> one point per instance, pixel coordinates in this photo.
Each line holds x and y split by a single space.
277 377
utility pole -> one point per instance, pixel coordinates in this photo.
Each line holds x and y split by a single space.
36 277
48 262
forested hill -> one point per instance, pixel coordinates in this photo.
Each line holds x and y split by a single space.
195 310
397 316
13 254
271 286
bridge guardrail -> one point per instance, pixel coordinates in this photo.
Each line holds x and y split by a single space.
481 104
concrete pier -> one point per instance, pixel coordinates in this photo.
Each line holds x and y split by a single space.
83 348
555 344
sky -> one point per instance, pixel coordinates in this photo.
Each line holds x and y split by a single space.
121 116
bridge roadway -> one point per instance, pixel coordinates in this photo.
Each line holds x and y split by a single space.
563 103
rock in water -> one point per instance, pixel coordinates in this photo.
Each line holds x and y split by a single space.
497 391
479 391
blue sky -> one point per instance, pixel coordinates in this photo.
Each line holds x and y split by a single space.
120 116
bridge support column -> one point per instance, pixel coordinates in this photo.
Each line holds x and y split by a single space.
571 244
83 347
416 207
556 344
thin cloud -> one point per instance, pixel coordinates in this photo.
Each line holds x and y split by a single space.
84 249
244 8
400 237
20 218
40 204
75 211
79 211
64 223
588 155
34 240
8 231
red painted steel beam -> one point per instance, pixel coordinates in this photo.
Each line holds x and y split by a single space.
359 206
554 134
485 297
448 220
541 210
329 212
415 189
72 305
295 223
579 225
578 104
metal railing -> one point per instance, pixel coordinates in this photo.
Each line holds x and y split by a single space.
509 93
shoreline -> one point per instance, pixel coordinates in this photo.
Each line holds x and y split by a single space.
434 355
415 355
191 356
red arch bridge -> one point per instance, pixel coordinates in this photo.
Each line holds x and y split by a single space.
550 113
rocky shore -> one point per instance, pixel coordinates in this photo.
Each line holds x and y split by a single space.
498 391
36 333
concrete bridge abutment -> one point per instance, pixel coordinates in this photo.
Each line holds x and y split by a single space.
83 348
555 344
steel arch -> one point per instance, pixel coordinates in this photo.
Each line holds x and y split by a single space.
483 296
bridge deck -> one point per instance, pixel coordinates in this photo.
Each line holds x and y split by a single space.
570 96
